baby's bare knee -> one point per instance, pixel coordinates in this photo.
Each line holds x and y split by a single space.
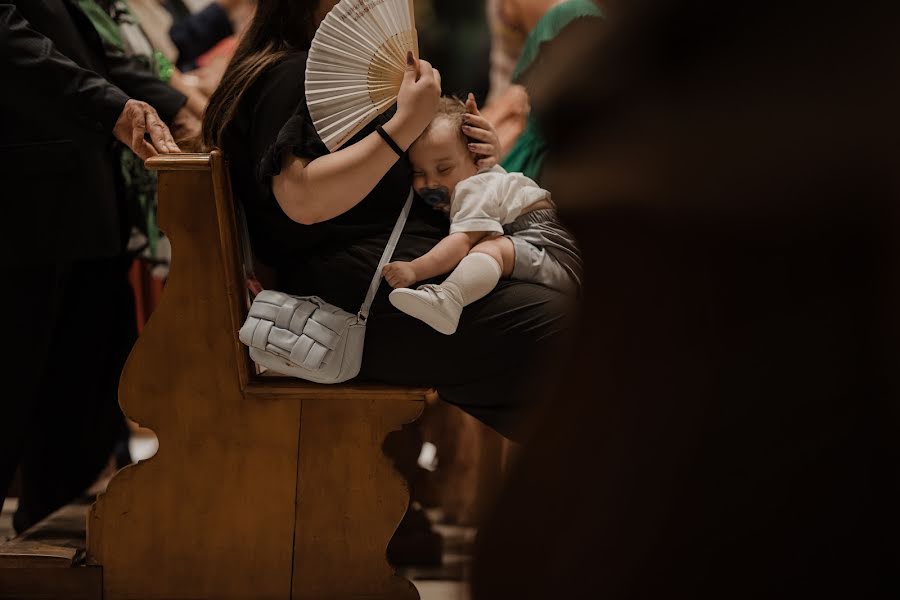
501 249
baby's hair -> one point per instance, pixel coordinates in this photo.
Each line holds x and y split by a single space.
452 109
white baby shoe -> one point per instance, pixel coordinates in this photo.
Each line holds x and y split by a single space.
430 304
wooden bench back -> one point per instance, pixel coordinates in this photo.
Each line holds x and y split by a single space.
208 175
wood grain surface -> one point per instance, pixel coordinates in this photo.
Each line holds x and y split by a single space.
261 488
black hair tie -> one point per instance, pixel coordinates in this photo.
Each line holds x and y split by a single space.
389 141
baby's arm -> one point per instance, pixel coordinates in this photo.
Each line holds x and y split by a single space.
441 259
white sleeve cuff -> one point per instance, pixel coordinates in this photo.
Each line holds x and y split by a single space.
472 225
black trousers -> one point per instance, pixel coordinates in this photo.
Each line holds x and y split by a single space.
70 328
506 354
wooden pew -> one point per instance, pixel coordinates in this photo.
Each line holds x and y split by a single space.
262 487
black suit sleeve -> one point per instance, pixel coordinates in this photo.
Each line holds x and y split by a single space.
29 60
140 83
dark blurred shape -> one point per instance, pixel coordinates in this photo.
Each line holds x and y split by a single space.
194 34
729 429
454 37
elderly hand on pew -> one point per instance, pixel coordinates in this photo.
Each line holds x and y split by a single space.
137 119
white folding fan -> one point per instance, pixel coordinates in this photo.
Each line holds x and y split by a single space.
356 64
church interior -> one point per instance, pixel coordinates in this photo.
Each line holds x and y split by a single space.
469 300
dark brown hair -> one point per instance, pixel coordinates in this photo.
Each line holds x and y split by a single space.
278 27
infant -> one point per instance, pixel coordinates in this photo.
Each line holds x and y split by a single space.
501 225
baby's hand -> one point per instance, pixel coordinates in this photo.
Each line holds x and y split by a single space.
399 274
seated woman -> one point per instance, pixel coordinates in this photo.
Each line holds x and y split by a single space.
321 221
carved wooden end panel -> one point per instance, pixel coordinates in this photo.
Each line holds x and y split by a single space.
349 500
211 515
244 499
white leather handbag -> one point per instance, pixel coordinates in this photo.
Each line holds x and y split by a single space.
305 336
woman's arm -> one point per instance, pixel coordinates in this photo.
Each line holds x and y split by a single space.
196 100
441 259
315 191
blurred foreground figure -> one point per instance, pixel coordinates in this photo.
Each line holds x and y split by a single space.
730 427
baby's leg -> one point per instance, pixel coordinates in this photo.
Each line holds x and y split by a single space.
473 278
501 249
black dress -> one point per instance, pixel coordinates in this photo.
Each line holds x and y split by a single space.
506 344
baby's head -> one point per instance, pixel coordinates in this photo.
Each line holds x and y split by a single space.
440 157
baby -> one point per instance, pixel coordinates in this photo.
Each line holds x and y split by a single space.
501 225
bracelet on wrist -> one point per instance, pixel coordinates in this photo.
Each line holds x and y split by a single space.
389 141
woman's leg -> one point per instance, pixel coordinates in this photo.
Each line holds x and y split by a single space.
508 347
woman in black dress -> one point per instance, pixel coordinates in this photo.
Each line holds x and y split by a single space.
322 220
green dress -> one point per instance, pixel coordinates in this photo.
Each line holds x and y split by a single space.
527 154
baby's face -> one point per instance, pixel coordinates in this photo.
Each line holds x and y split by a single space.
440 159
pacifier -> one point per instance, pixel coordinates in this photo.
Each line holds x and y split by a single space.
436 198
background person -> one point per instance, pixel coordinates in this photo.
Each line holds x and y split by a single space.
65 292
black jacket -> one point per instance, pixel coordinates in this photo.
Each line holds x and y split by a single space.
62 93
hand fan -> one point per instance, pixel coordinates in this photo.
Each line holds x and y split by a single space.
356 64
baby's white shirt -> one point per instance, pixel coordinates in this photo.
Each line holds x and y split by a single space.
491 199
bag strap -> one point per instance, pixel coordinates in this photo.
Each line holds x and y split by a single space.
253 285
386 257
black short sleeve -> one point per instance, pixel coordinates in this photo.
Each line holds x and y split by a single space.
297 136
272 119
276 119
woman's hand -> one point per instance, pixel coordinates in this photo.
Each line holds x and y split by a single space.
314 191
399 274
486 143
417 101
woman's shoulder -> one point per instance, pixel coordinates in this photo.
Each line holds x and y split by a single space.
275 96
285 78
293 64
